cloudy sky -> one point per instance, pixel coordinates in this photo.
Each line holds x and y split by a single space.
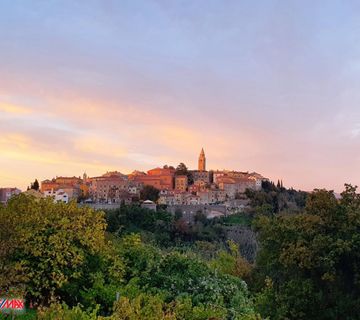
266 86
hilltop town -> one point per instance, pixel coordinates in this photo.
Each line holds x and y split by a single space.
171 186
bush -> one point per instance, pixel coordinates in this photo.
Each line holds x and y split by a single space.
63 312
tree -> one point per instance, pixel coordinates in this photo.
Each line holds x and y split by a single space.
168 167
149 193
10 277
280 199
181 170
200 217
231 262
176 276
268 186
50 245
178 214
309 263
149 307
62 311
35 185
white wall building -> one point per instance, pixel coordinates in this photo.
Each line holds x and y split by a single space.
58 195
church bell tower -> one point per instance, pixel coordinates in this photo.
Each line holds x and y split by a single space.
202 161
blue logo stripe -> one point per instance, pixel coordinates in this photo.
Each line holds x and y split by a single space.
2 303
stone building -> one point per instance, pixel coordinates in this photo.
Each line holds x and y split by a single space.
159 178
7 193
232 186
181 183
73 186
110 188
201 176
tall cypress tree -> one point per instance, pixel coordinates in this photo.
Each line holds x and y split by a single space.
35 185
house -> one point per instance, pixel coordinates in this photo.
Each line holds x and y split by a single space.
7 193
159 178
168 199
58 195
148 204
110 188
181 183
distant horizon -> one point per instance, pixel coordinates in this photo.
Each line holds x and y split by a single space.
268 87
161 166
23 185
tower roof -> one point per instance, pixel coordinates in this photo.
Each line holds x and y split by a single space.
202 161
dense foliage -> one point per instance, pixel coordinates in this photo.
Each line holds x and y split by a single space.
309 264
35 185
273 199
48 247
180 277
161 227
149 193
73 262
60 257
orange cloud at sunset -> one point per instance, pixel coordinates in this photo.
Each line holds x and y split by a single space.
13 109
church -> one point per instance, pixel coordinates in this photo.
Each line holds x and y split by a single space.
201 174
202 161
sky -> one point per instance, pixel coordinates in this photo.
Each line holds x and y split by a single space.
266 86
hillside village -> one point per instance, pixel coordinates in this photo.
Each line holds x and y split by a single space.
175 186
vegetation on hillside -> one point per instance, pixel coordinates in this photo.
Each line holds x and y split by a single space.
308 265
134 263
273 199
62 259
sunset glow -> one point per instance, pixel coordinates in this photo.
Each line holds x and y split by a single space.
92 86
